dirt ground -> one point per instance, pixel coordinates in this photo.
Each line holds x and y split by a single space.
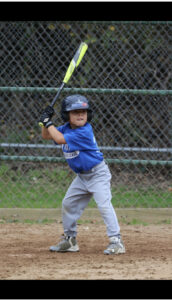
25 251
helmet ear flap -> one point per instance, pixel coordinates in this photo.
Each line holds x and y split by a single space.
89 115
65 116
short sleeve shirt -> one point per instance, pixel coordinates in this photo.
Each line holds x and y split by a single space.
81 150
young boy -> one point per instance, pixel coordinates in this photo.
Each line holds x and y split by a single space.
93 176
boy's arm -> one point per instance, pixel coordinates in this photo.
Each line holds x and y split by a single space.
45 134
51 133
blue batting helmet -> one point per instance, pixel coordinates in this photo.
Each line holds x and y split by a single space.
74 102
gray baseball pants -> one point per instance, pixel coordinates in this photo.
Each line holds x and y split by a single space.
96 183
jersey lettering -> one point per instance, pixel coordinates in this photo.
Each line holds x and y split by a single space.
67 153
70 155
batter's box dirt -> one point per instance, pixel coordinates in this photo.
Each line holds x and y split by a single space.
25 253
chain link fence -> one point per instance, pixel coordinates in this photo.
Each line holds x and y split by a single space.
126 74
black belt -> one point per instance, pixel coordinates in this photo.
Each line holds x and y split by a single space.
91 170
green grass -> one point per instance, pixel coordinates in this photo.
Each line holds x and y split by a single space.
136 222
45 188
126 196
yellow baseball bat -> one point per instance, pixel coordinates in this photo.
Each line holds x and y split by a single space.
73 65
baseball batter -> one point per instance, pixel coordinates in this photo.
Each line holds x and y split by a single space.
92 174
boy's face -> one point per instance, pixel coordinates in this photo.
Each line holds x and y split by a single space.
77 118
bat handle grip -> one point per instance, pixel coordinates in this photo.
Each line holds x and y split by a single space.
41 124
54 100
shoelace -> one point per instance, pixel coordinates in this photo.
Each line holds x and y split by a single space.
63 237
113 243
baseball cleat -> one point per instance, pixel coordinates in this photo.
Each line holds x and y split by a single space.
67 244
115 246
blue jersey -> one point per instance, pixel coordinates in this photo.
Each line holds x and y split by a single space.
81 150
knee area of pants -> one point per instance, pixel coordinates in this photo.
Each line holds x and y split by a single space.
103 208
65 206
